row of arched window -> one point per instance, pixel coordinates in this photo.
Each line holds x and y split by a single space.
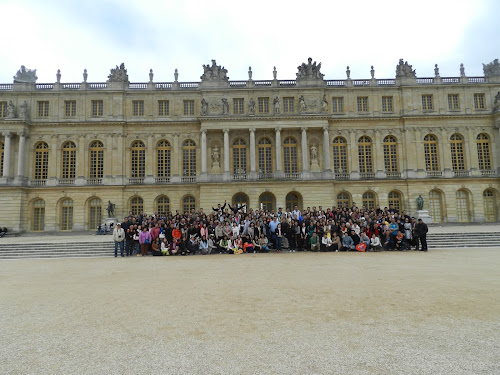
264 154
267 201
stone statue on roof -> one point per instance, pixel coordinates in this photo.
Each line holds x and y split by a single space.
309 71
404 70
119 74
214 72
492 69
25 76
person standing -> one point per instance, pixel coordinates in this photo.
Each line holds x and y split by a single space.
421 229
118 237
144 241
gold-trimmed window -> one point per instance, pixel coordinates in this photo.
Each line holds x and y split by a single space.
41 161
338 105
483 151
290 155
70 108
3 109
163 107
240 199
163 159
239 157
390 154
362 103
138 107
96 162
462 206
291 200
387 104
490 205
68 167
136 205
43 109
453 103
394 198
188 204
479 101
263 105
457 152
95 213
431 153
67 214
163 205
435 206
188 158
264 150
138 159
38 222
427 102
365 154
288 105
266 201
238 106
97 108
369 200
340 155
343 199
188 107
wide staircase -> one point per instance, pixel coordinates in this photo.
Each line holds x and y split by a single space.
83 249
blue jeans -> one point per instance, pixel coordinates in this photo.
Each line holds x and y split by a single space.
116 248
278 243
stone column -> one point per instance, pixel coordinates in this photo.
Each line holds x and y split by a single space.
203 151
226 152
353 147
253 169
21 157
150 160
378 156
108 157
80 160
53 161
279 172
471 150
418 161
445 154
305 151
326 149
6 154
176 159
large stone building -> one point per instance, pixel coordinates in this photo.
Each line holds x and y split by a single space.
68 149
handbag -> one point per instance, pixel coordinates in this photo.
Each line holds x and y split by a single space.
147 241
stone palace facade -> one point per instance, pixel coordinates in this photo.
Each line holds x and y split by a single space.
67 149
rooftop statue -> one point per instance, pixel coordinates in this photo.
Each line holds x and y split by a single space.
214 73
119 74
25 76
309 70
492 69
404 70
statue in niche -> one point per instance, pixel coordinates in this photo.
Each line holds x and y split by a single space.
25 76
119 74
251 107
492 69
302 104
225 106
24 114
204 107
214 72
496 103
111 209
11 110
314 153
420 203
276 104
324 104
404 70
309 70
215 155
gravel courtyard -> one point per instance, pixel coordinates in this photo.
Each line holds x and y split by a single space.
334 313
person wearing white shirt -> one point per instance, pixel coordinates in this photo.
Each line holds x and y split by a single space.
375 243
118 237
326 242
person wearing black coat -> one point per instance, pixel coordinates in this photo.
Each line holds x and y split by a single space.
421 230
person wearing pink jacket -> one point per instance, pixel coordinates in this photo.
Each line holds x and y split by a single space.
144 241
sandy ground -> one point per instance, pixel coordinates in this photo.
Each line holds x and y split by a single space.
334 313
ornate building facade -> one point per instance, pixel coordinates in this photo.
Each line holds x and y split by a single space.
69 148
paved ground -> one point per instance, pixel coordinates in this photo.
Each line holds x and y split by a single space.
299 313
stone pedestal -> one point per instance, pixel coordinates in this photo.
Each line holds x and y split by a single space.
424 215
314 165
108 221
216 167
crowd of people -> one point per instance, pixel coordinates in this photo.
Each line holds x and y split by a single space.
239 229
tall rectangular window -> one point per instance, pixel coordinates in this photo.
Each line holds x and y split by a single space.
238 107
138 107
3 109
338 105
453 102
263 105
43 109
479 102
188 107
288 105
362 102
163 108
70 108
427 102
97 108
387 104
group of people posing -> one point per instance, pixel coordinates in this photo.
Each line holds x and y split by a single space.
238 229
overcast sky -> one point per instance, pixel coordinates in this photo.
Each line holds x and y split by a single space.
72 35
